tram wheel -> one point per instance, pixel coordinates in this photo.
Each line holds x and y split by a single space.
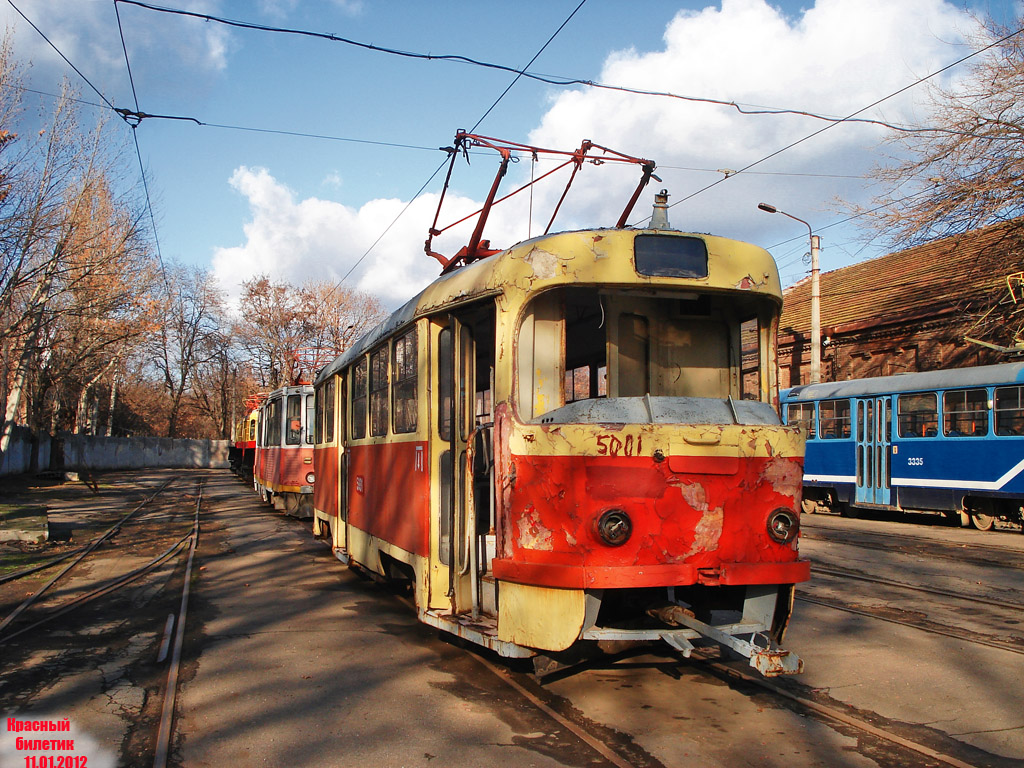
981 521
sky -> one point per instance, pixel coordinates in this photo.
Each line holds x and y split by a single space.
313 153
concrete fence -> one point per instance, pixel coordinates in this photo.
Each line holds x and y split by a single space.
81 452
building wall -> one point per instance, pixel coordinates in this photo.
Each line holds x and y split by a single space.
884 349
85 452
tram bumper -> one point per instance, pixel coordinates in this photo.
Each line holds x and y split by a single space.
769 660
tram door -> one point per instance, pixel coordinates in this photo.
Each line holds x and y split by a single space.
874 434
339 427
456 365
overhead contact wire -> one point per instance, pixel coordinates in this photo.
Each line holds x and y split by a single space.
445 161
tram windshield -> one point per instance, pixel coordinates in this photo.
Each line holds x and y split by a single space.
584 344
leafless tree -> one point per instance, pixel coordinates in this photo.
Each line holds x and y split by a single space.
963 169
188 336
316 321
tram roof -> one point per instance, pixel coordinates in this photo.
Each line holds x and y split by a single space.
955 378
582 255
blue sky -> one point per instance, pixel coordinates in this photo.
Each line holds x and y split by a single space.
243 202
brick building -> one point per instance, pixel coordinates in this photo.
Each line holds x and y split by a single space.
946 304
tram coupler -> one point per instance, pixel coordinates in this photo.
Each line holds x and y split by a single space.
770 661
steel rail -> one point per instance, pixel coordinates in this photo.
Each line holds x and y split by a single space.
41 567
170 690
956 635
838 715
112 586
912 588
106 535
904 537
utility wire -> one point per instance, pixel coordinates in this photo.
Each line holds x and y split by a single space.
445 161
520 73
849 117
138 153
59 53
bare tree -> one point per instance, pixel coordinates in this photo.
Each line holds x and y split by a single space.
962 170
64 238
278 321
189 334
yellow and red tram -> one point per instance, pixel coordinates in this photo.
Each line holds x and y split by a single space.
283 465
575 440
242 452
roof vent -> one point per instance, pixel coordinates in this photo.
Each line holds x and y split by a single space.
659 219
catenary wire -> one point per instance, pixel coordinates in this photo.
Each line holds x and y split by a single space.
849 117
520 73
145 184
547 79
445 161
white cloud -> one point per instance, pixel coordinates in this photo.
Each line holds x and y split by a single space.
87 34
298 240
833 59
837 57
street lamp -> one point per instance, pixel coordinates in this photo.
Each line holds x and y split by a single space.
815 293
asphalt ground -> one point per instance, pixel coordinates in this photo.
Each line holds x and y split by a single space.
292 659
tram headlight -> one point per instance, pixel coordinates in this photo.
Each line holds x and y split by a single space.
614 527
783 525
310 478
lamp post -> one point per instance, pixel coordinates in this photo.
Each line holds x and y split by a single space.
815 293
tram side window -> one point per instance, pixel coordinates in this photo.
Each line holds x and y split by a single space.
359 399
965 413
328 391
802 415
750 361
319 416
294 417
586 369
379 392
1010 411
918 415
252 429
834 419
274 422
404 396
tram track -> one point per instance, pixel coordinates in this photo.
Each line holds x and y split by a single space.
708 660
845 574
709 663
956 633
79 556
1007 557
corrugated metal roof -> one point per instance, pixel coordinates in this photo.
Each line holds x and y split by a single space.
980 376
925 280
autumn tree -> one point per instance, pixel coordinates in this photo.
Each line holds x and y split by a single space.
189 334
71 260
278 320
960 169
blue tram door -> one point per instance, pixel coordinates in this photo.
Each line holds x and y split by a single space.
874 434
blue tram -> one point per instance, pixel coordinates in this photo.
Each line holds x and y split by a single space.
942 441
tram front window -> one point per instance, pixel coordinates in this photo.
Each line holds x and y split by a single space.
580 344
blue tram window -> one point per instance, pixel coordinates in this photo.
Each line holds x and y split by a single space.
834 422
918 415
1010 411
665 256
965 413
802 415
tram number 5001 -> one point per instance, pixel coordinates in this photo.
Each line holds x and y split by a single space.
610 445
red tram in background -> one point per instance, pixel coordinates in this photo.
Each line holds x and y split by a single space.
572 442
283 466
242 452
